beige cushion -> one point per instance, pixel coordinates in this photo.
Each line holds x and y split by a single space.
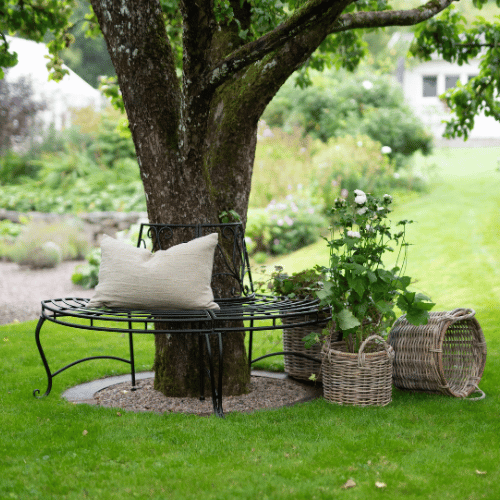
177 278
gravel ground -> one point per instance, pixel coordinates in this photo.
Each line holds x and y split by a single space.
22 290
265 393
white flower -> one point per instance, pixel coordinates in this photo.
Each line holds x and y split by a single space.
369 228
361 211
360 143
353 234
386 150
367 85
387 197
360 197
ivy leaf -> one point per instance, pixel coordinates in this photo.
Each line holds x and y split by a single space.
346 320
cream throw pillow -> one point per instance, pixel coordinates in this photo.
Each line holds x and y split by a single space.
177 278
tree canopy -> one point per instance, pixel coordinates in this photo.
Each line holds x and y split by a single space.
264 24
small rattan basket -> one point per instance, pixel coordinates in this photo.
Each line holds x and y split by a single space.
359 379
446 356
296 366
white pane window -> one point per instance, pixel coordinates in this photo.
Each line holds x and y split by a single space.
450 81
430 86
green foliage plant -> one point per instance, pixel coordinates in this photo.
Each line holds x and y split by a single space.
44 244
282 164
350 163
87 275
341 104
298 285
360 290
285 226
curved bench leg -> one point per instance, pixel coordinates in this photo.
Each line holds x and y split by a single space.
36 392
216 393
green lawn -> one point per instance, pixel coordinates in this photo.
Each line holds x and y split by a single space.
420 446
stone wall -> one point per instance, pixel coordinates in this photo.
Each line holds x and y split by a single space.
95 223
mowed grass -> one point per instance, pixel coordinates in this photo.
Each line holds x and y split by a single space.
420 446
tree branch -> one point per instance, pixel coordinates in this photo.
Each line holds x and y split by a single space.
315 13
381 19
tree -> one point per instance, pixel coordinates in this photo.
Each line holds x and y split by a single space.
17 109
455 40
193 105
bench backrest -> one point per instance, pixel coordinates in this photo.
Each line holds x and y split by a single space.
231 275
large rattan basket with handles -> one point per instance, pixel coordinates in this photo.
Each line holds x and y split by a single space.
295 366
359 379
445 356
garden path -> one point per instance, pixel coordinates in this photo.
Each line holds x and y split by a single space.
22 289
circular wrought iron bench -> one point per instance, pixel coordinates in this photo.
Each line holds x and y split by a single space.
244 311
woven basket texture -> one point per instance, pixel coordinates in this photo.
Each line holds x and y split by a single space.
446 356
298 367
359 379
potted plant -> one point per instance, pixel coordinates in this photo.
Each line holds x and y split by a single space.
301 285
363 295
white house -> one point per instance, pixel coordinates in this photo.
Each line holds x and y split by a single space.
425 81
60 97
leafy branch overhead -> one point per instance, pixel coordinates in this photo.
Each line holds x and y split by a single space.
454 40
262 27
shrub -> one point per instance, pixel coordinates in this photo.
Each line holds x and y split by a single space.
39 243
14 168
87 275
285 226
399 129
282 164
350 163
38 256
342 104
111 145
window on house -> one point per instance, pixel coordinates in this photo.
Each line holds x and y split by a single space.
470 77
430 86
450 81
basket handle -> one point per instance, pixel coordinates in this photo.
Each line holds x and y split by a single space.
460 314
361 355
482 395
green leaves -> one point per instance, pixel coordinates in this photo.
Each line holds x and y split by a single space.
455 41
416 306
34 20
360 290
346 320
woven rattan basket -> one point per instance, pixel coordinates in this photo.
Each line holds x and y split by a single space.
445 356
298 367
360 379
